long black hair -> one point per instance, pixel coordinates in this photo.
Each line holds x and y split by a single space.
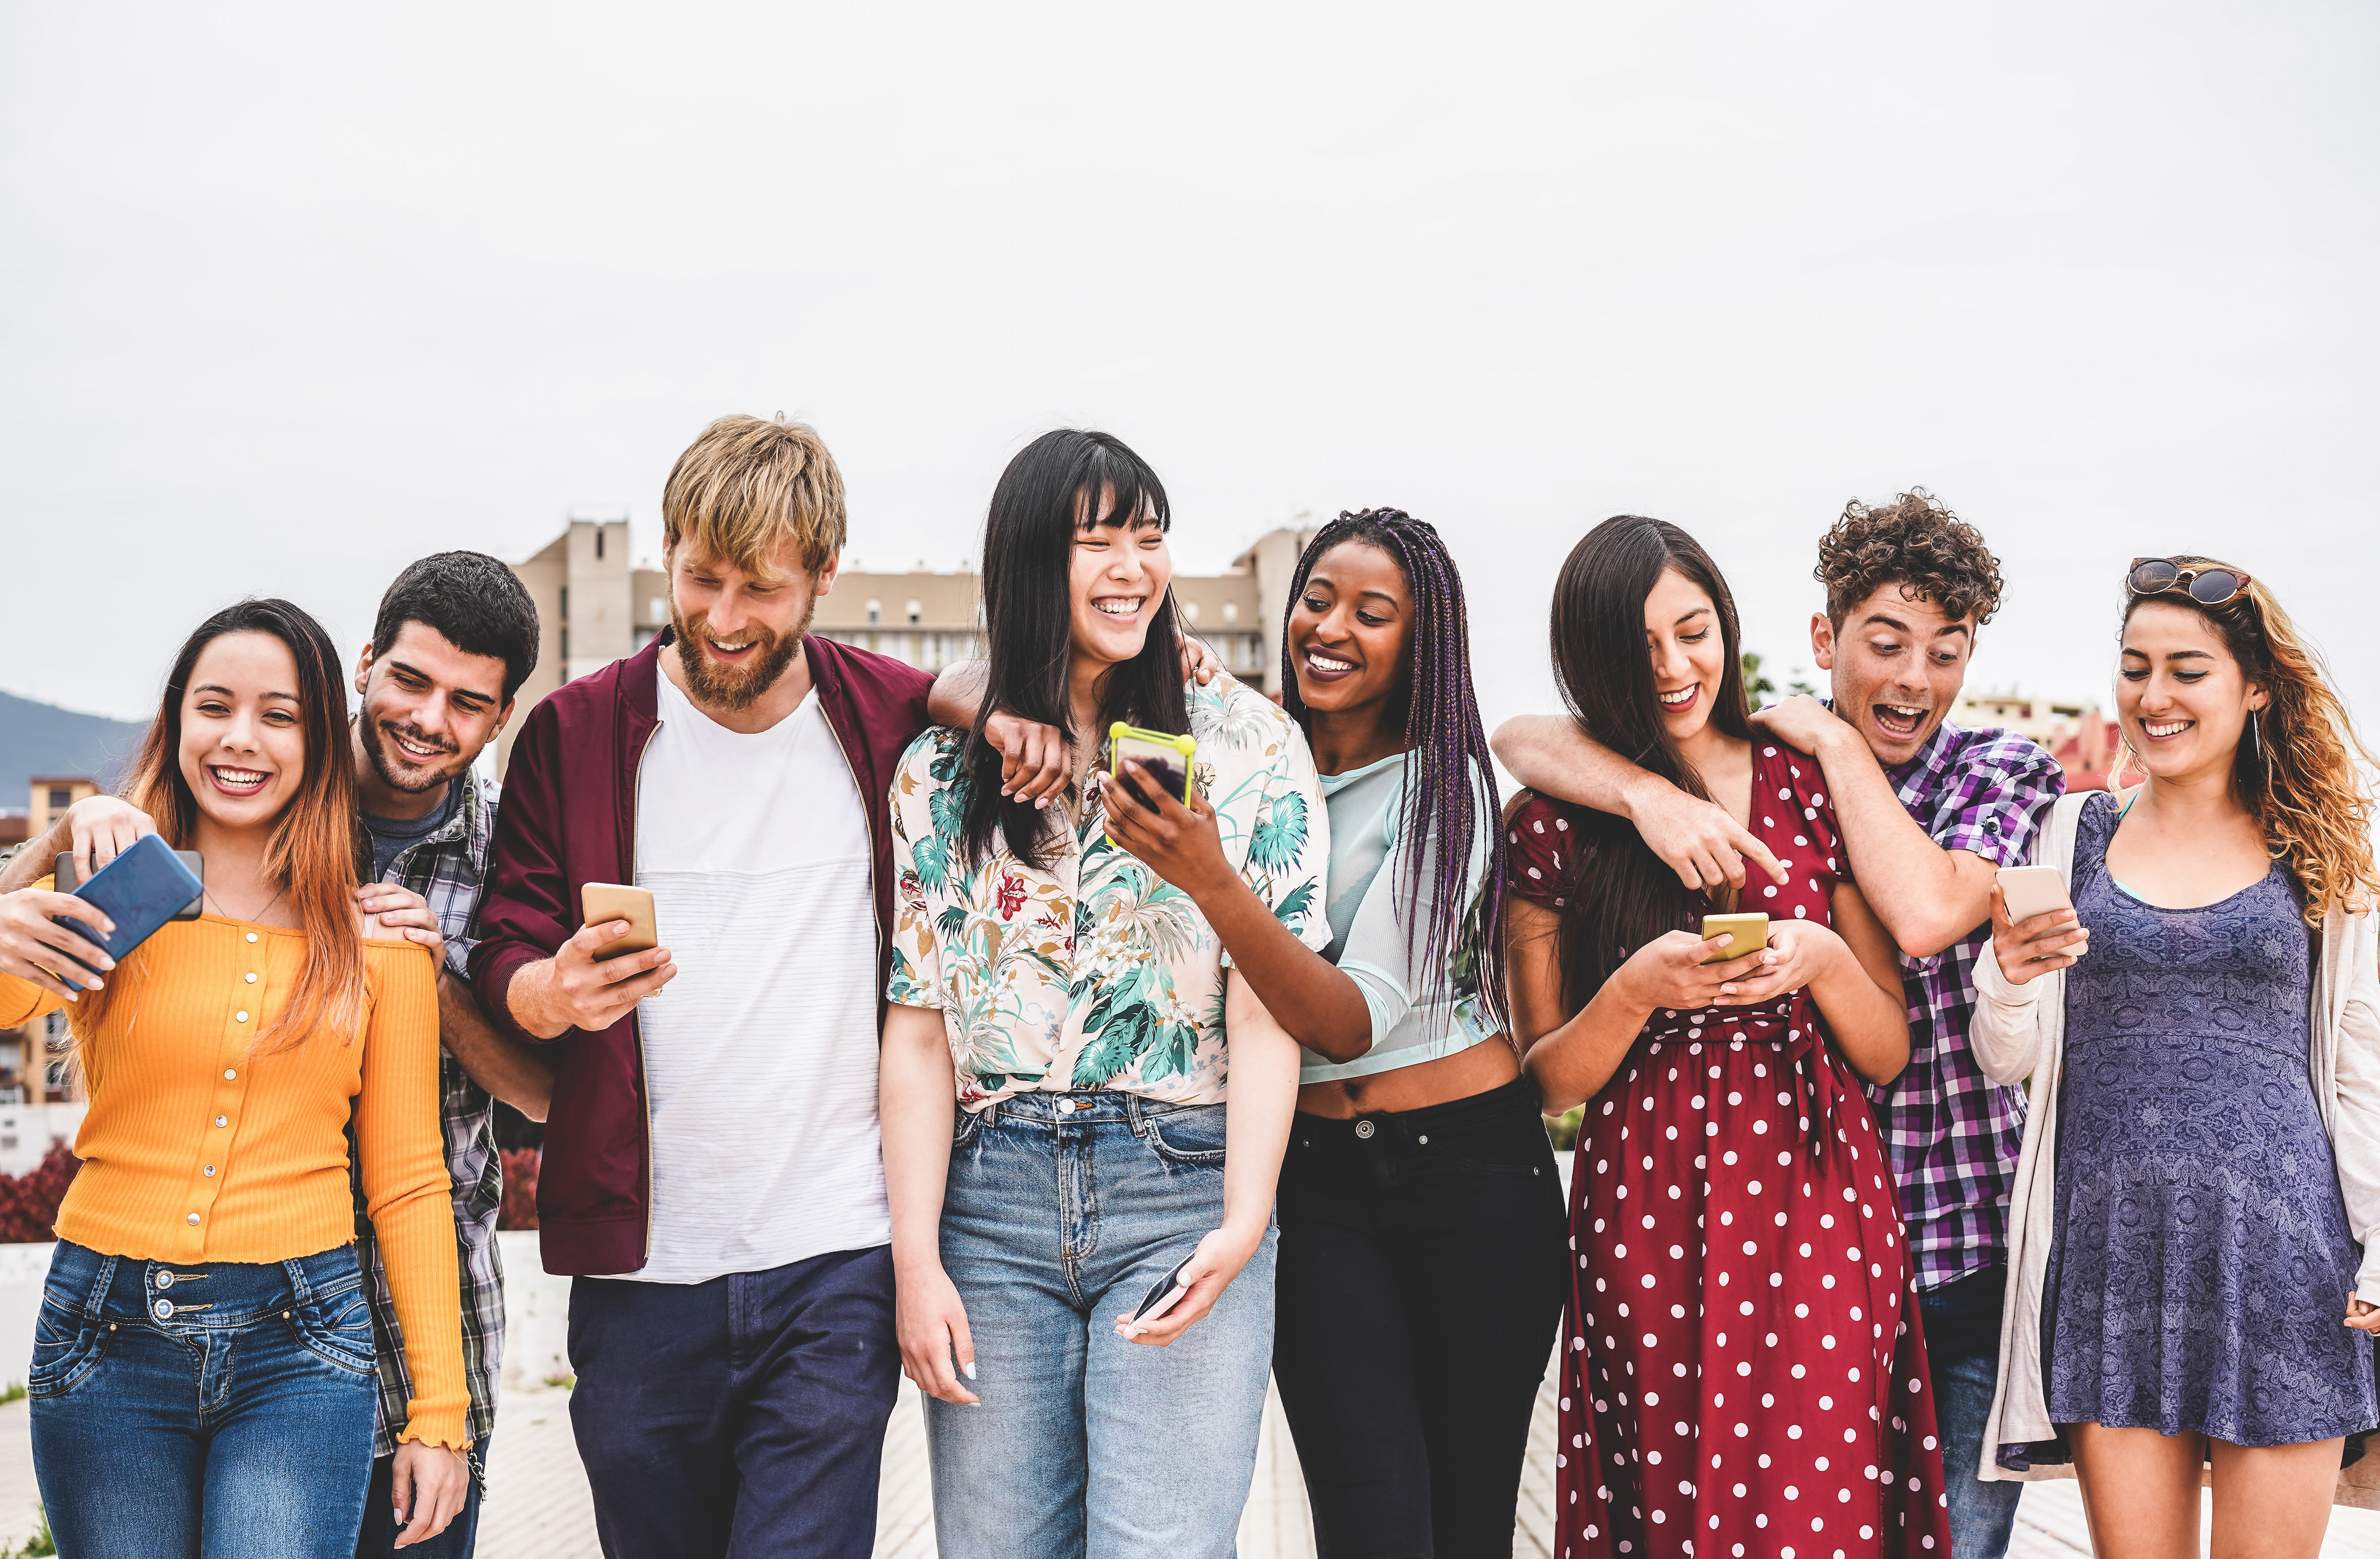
1060 484
1450 787
1622 895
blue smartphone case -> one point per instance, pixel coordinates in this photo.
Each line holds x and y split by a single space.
139 890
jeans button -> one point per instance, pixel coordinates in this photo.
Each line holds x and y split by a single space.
1363 1130
164 1310
165 1280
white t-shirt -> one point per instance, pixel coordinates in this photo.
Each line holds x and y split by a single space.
760 1055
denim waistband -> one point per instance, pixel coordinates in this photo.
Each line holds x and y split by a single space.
1090 1107
199 1293
1516 1100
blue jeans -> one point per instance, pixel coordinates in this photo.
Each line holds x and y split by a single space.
1962 1344
203 1411
1057 1220
381 1528
742 1417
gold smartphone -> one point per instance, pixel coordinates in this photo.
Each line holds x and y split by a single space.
600 902
1751 934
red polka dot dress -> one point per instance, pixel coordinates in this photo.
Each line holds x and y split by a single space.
1742 1374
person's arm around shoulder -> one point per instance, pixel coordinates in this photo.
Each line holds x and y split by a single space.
1261 1100
401 1157
1697 838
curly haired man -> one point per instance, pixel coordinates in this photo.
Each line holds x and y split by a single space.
1929 811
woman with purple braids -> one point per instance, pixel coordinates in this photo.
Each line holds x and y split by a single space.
1421 1265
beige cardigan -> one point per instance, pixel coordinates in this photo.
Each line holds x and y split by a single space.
2022 1029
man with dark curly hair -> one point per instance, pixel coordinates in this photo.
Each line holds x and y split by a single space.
1929 812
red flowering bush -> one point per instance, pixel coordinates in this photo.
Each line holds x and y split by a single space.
28 1202
518 1209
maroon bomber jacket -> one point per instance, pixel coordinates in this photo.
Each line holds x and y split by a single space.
569 816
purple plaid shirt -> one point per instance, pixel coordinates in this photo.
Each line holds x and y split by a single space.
1954 1136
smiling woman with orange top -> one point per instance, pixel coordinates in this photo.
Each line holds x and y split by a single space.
202 1377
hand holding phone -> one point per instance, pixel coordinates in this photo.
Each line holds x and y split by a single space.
2034 929
1163 1296
1749 933
590 983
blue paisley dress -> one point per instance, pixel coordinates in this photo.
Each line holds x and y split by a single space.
2202 1261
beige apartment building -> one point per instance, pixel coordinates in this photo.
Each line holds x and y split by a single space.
595 606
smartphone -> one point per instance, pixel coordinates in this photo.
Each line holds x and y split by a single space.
1751 934
141 891
2033 890
600 902
1165 756
1163 1296
68 877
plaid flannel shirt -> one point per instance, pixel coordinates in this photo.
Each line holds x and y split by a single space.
447 869
1953 1135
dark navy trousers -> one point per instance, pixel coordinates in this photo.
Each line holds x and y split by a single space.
740 1417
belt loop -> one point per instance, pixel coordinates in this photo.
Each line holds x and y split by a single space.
95 1302
1131 1115
295 1267
989 1114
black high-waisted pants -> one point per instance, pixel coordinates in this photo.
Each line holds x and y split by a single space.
1421 1283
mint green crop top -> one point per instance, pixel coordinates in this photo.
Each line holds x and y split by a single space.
1369 871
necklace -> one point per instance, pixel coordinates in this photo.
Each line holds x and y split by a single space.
254 919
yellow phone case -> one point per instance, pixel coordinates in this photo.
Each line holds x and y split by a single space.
1751 934
1184 746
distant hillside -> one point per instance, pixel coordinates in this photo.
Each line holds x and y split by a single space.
44 738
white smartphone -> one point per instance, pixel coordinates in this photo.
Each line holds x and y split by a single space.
2033 890
1163 1296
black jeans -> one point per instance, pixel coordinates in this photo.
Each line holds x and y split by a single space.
740 1417
1421 1282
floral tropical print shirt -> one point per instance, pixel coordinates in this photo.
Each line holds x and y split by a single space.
1096 972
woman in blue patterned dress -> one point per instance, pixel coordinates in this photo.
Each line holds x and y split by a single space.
2196 1208
1083 1015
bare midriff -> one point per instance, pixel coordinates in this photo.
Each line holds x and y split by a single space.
1489 1064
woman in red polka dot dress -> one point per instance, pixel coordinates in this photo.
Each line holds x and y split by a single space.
1743 1375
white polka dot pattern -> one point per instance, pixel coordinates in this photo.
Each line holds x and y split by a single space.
1737 1376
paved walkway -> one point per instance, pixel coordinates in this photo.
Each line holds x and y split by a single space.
539 1507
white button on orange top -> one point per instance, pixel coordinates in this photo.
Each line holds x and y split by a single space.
240 1017
251 935
194 1218
251 979
229 1074
223 1120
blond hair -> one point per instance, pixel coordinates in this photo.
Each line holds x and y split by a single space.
745 488
2299 776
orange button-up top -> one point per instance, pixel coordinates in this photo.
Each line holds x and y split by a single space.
196 1151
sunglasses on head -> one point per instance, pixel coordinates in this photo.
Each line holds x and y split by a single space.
2209 586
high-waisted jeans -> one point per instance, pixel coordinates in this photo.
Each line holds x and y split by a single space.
203 1411
1062 1211
1421 1287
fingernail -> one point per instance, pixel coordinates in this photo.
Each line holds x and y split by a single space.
108 926
106 962
967 1370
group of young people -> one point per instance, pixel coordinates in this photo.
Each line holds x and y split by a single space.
962 1040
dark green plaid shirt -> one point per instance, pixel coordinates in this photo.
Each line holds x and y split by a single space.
447 869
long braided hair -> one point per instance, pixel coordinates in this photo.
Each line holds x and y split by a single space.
1451 784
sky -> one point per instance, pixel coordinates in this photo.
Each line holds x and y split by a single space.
290 296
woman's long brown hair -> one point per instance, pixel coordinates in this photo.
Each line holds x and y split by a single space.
313 853
2299 776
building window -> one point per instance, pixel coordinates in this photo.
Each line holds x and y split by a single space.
599 542
657 609
566 645
565 605
1190 611
916 612
646 635
876 611
61 800
1230 612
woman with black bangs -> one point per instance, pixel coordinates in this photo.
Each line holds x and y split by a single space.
1084 1014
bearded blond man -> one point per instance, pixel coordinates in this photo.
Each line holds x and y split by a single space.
713 1177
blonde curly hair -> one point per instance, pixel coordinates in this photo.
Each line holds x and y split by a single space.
2300 776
